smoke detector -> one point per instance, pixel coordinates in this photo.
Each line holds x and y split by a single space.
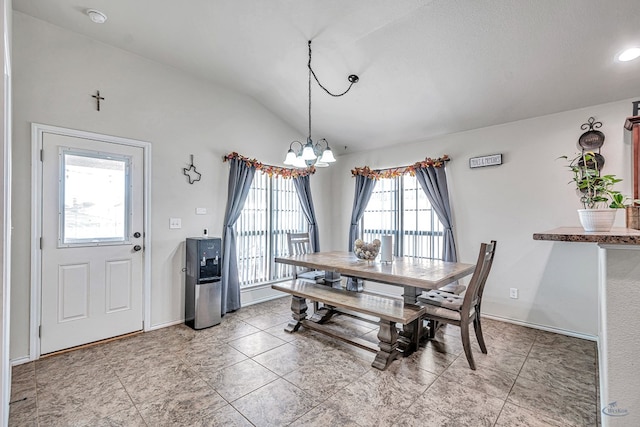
96 16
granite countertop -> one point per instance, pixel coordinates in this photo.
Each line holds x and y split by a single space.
617 236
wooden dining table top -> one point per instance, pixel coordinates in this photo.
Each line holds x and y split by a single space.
403 271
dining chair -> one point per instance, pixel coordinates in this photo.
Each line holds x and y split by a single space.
445 307
299 244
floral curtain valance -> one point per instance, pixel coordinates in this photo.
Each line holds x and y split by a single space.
269 169
399 171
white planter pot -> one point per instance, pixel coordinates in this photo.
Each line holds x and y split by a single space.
597 219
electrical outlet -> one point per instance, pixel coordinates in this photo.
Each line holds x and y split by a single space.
513 293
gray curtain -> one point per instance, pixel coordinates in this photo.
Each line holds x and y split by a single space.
364 188
434 183
240 178
303 188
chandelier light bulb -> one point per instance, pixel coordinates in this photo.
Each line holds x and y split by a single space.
299 162
327 156
307 153
291 157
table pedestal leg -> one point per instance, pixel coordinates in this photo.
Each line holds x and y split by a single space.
409 337
388 336
299 313
410 294
355 284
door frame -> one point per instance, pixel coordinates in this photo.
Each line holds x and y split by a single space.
5 211
37 132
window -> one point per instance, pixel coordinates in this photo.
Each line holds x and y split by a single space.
94 193
271 211
399 207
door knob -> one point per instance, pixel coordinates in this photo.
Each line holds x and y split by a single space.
137 248
136 234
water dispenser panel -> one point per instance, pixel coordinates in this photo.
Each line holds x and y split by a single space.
209 267
210 260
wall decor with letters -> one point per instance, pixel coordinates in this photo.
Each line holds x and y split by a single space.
492 160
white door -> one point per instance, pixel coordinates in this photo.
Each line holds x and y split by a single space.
92 237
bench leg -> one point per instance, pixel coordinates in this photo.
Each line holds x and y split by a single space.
299 313
388 336
322 315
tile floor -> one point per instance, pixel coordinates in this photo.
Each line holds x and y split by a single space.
249 372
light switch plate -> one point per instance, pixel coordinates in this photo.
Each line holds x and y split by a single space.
175 222
201 211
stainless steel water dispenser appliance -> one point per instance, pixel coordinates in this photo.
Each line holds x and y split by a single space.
203 289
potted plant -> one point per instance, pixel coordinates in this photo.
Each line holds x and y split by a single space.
599 199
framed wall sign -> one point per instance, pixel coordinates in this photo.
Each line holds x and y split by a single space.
492 160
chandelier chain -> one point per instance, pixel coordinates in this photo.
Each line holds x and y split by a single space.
352 79
312 73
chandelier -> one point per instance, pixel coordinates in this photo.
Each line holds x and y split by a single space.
316 154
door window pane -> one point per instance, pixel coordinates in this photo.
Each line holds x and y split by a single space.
94 198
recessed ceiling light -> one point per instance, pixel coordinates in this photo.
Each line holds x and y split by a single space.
629 54
96 16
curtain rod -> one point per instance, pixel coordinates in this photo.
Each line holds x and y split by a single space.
270 170
400 170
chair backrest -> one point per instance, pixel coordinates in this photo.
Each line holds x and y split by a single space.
299 243
491 250
473 296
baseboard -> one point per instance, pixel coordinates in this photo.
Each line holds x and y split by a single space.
250 296
164 325
258 294
20 360
542 327
265 299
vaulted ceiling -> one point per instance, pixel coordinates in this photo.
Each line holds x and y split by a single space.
426 67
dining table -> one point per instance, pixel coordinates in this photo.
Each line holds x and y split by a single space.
413 274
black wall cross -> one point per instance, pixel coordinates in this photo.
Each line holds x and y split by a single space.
98 98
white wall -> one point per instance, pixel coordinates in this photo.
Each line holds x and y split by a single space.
57 71
508 203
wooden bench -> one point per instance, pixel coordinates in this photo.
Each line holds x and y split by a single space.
389 310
